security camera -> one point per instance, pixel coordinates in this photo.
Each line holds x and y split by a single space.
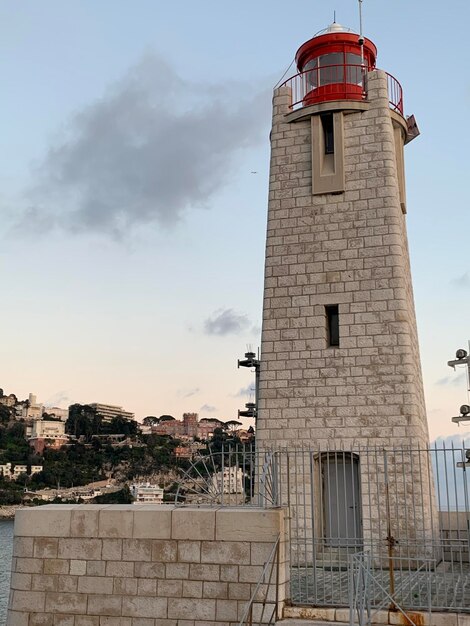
461 354
465 409
360 41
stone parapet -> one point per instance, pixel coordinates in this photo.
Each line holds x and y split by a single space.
152 565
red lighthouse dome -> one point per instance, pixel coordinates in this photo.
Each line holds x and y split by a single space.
333 65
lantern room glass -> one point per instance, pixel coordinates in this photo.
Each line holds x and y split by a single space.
332 68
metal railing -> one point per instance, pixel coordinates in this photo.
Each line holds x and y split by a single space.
263 605
366 590
237 475
338 82
400 505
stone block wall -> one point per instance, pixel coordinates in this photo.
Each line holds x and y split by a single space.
348 249
97 565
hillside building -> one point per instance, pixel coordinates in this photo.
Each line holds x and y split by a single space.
108 411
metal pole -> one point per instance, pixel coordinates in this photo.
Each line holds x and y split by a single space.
390 539
360 33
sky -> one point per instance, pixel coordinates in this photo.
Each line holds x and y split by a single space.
133 192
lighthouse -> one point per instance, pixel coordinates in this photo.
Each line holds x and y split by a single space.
340 375
340 356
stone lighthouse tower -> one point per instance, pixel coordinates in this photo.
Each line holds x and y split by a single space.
340 356
340 371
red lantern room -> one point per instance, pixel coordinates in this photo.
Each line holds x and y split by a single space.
334 64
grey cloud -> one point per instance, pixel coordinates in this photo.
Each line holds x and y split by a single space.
452 440
208 408
61 397
187 393
245 392
226 322
451 381
152 147
462 281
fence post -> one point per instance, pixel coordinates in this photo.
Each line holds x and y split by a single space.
351 590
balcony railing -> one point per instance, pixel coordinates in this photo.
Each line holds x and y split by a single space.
337 82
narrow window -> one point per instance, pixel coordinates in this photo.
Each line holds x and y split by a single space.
332 325
328 134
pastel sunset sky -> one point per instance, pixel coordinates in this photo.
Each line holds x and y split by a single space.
133 192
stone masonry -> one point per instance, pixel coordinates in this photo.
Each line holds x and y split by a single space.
96 565
347 249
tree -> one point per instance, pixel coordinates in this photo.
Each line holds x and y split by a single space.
166 418
150 420
6 413
82 421
120 426
48 417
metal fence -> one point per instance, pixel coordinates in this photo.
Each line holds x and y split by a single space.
406 508
343 81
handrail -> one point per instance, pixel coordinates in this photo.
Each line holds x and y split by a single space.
273 563
345 80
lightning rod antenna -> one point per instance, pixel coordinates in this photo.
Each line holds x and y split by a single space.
361 37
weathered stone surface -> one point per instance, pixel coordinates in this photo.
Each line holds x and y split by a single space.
226 552
192 523
78 567
136 550
79 548
42 523
95 584
45 547
17 618
104 605
191 609
23 546
144 607
189 551
68 603
153 522
116 521
243 524
85 522
164 551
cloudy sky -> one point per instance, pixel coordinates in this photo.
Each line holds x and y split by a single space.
134 184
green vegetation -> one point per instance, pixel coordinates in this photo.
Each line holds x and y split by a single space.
13 446
10 492
92 456
83 421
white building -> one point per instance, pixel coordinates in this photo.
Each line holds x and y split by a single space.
13 470
31 410
45 429
145 493
58 412
109 411
228 481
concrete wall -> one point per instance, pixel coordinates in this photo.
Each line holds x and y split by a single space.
93 565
